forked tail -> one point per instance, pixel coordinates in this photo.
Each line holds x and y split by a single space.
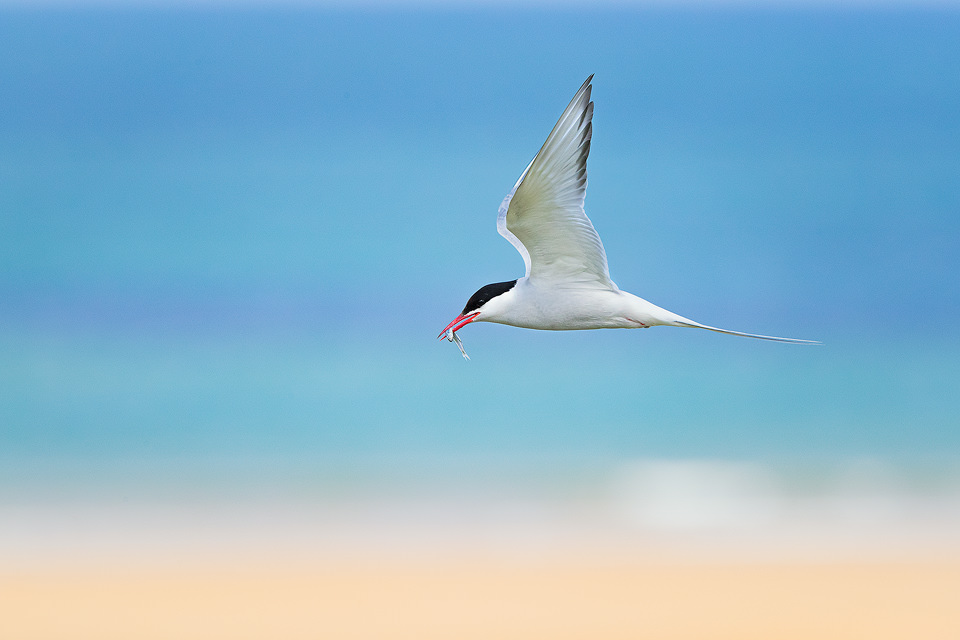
697 325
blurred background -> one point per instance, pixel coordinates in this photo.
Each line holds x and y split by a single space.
230 234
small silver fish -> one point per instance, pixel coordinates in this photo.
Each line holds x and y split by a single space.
453 337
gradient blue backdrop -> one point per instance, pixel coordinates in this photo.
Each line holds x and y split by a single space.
236 233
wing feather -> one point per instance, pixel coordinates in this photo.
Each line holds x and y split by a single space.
543 216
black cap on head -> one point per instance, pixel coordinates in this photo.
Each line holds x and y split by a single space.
487 293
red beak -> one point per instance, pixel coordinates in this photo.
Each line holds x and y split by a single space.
459 322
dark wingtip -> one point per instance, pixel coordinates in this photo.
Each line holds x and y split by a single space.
585 87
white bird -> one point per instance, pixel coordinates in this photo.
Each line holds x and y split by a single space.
567 284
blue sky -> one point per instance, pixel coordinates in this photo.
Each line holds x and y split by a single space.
225 231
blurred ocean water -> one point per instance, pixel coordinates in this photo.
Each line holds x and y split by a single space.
232 235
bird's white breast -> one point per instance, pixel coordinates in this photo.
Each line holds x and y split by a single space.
567 306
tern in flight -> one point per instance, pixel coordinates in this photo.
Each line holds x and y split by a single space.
567 284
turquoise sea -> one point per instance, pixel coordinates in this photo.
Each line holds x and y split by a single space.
231 236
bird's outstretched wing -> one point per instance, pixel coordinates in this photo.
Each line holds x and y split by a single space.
543 216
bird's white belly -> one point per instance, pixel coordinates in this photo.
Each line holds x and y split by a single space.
563 309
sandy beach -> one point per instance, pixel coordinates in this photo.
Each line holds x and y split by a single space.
486 597
707 555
